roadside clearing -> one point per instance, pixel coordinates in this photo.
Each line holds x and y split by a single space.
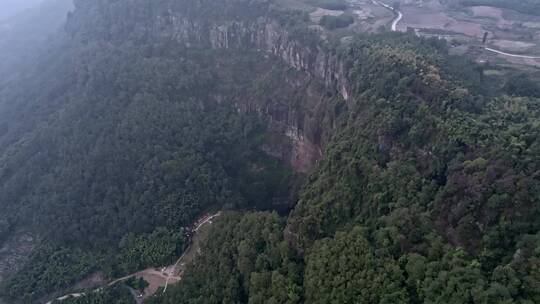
168 275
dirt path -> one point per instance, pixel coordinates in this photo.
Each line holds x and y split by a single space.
168 275
189 251
398 17
73 295
511 55
396 21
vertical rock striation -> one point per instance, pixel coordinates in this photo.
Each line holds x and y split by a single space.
323 73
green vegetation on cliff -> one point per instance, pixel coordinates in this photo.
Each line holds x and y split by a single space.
49 269
104 142
253 262
427 191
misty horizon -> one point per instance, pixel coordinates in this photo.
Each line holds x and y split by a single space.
10 8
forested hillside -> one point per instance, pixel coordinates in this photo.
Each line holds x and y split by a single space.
102 142
427 193
420 177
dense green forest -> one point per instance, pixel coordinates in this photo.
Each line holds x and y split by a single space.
98 150
427 193
253 262
152 160
154 148
122 134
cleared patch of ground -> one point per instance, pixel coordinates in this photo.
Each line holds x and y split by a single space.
363 14
512 45
523 61
320 12
194 250
159 277
92 281
422 18
512 33
155 279
487 11
369 15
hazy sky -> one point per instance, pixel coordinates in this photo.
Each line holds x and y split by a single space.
9 8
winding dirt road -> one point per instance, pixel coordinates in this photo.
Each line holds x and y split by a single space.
173 270
167 275
396 20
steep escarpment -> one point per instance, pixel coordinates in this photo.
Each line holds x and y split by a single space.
263 28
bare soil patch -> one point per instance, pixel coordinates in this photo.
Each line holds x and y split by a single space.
92 281
155 279
487 11
523 61
494 13
363 14
369 16
423 18
320 12
511 45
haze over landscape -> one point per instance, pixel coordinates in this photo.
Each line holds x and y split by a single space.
269 151
10 8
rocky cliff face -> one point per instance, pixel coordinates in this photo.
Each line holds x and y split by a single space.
264 34
323 73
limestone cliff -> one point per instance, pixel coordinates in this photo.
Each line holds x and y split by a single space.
322 72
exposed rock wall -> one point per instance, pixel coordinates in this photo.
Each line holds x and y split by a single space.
265 34
322 70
